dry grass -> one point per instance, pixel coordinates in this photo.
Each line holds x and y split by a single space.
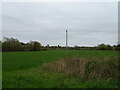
86 69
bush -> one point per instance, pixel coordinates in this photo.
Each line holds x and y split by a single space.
85 69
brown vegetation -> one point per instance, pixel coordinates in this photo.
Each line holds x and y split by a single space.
86 69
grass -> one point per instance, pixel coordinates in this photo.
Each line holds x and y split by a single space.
27 69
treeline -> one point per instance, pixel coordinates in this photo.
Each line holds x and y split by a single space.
99 47
11 44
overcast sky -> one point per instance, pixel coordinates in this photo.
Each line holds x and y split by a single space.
88 24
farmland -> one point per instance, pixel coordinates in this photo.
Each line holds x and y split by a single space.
35 69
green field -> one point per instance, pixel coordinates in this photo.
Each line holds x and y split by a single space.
28 69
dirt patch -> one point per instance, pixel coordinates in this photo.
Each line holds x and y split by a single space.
87 69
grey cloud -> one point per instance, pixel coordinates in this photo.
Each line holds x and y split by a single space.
90 23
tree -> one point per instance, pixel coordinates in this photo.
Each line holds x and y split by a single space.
0 45
11 44
34 46
76 47
109 47
102 47
59 46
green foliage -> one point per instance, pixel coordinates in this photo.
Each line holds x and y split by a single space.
26 69
33 46
44 79
11 44
104 47
0 45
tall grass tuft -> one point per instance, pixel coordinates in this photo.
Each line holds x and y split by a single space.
85 69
